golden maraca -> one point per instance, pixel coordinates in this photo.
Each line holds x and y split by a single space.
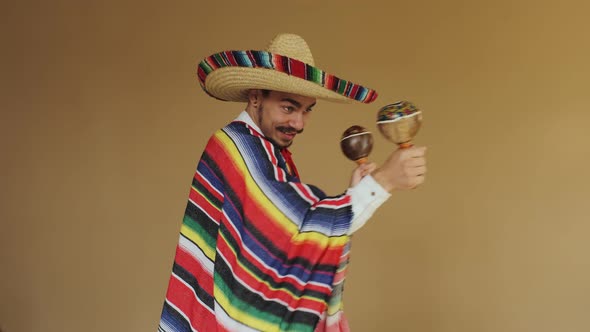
399 123
356 144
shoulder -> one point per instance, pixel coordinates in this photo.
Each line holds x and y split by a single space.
241 131
239 127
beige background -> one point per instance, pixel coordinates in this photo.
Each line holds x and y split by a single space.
103 122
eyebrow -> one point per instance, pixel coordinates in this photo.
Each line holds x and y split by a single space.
296 103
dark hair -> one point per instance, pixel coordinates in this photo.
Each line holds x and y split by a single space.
265 92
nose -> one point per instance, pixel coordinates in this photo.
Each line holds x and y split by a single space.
296 120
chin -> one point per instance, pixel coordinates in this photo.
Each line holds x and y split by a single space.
281 143
286 144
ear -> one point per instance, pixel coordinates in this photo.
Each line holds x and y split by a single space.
254 96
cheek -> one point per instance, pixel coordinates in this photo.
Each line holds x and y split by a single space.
280 119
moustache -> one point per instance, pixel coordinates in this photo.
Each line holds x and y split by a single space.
289 130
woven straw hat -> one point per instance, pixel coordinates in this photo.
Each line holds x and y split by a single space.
286 65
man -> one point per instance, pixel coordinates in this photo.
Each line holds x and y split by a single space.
259 250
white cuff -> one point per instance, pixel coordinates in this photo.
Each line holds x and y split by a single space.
366 197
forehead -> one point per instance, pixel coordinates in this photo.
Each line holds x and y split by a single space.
286 96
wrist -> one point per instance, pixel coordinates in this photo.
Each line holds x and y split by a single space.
382 180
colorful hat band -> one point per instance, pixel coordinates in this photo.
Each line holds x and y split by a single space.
290 66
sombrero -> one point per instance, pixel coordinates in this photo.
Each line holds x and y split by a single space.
286 65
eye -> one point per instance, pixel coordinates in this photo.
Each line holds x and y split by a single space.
288 109
308 110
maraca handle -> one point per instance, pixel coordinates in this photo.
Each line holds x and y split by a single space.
406 145
361 161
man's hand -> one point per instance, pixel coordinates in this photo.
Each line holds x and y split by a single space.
404 169
361 171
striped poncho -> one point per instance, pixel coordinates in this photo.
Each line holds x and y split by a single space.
258 249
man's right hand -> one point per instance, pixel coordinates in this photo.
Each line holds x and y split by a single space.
404 169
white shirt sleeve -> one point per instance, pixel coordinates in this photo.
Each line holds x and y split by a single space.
366 197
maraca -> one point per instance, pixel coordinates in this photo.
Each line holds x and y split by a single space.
356 144
399 122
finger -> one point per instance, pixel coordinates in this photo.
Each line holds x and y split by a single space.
415 162
417 171
366 172
416 181
367 168
415 151
366 165
370 167
420 179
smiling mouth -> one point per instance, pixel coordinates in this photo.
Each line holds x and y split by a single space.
289 135
289 130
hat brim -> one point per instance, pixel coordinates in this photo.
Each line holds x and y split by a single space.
229 75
